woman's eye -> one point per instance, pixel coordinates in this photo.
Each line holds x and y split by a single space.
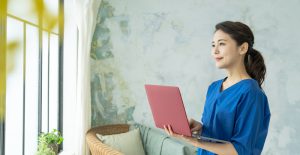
212 45
222 44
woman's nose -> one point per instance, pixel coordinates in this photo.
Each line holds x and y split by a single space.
216 50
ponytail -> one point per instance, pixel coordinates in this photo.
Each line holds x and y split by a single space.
255 66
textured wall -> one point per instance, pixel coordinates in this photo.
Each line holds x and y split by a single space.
168 42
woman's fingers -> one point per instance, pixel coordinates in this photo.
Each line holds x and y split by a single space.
195 126
192 122
166 130
195 129
170 130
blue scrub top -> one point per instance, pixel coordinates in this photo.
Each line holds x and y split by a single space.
239 114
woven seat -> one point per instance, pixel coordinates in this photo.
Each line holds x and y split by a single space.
99 148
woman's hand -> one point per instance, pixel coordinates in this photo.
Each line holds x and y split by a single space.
195 126
170 132
217 148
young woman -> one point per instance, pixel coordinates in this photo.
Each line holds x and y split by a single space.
236 108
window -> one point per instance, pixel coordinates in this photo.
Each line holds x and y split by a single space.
34 85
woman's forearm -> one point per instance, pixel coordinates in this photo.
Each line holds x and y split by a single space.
218 148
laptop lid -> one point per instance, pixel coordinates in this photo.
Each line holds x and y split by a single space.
167 108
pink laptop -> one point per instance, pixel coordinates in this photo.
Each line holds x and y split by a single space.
167 108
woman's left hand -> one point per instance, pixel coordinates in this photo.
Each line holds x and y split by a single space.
191 140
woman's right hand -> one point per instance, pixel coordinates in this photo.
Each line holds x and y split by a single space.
195 126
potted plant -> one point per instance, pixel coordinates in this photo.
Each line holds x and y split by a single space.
48 143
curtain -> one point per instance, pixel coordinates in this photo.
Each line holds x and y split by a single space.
86 13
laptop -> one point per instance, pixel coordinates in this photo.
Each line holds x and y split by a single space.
168 109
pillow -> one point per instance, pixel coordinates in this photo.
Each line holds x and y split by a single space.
128 143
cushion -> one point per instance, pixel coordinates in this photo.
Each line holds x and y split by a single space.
128 143
158 143
175 147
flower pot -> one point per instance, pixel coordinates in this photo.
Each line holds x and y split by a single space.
53 147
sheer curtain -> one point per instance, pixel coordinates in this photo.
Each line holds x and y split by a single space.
79 25
86 13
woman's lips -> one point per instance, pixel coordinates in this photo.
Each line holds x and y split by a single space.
219 58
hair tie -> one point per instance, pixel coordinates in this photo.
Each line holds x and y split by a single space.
251 46
250 51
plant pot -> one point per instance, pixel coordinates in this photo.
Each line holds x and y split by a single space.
53 147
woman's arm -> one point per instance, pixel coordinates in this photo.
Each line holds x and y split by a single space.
217 148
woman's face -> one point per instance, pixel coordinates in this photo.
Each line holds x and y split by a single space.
224 50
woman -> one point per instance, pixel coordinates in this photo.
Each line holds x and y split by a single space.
236 108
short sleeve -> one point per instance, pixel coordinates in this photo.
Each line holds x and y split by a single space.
251 123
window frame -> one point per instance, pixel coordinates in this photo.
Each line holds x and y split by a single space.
3 35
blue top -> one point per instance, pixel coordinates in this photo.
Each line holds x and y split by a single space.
239 114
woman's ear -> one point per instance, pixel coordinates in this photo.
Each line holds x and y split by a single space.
243 48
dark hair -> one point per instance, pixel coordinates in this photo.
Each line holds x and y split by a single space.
254 61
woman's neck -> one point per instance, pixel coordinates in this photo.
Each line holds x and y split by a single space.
236 74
